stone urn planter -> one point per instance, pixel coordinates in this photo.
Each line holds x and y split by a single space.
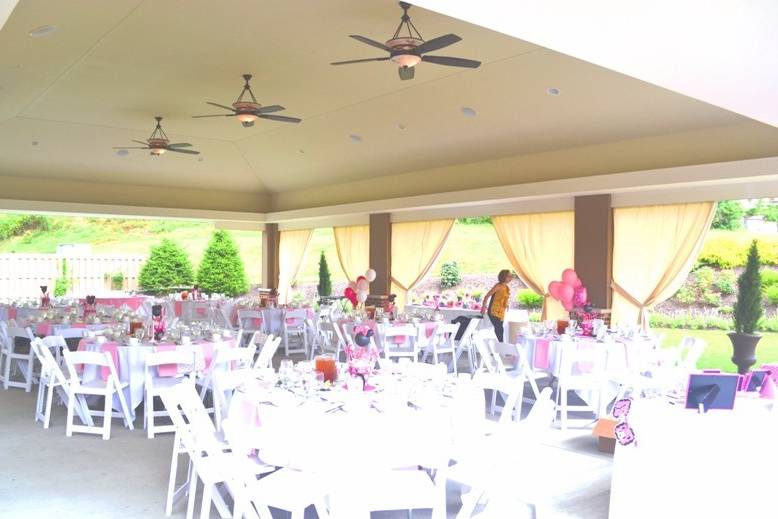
744 350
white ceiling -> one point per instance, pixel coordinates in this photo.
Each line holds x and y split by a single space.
111 66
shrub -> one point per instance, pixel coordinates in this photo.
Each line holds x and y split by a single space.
168 267
729 215
62 283
771 293
13 225
449 274
221 269
748 310
117 281
475 220
726 282
529 299
477 294
727 250
703 278
726 310
324 288
710 298
769 277
686 295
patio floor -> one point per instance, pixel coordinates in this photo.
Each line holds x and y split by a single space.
45 474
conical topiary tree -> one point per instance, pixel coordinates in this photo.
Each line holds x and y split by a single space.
748 309
168 267
325 280
221 269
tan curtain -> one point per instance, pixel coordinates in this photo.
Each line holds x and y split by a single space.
353 246
539 247
292 246
654 248
415 247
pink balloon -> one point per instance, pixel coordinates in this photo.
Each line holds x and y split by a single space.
569 277
581 297
553 289
349 292
568 305
578 283
352 285
566 293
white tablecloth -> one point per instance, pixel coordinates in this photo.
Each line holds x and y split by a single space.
717 465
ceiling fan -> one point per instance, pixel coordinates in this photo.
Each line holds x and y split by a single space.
158 143
249 111
408 51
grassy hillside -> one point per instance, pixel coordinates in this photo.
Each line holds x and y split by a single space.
120 236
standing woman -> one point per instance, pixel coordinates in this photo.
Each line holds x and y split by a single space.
498 298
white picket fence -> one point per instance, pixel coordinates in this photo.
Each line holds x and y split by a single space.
21 275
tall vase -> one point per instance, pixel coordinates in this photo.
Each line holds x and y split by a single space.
744 350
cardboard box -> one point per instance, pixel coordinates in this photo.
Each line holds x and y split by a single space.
604 430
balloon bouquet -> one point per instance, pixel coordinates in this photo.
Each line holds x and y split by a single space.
569 291
357 291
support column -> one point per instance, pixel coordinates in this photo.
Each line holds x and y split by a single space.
594 246
381 253
270 270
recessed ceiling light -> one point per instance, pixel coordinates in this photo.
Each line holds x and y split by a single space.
355 138
301 151
553 91
468 112
199 159
122 153
34 143
43 30
400 126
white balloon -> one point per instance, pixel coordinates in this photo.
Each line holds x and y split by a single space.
362 296
370 275
362 285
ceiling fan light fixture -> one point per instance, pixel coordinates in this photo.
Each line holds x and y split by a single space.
247 118
406 60
156 152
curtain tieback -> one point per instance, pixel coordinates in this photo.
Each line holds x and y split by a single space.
643 314
543 309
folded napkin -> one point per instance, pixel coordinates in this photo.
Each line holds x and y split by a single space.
540 358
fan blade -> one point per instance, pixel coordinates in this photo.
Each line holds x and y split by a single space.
131 148
190 152
437 43
359 61
281 118
179 145
140 142
215 115
370 42
452 62
231 109
406 73
270 109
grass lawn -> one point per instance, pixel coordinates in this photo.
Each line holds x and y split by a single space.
719 350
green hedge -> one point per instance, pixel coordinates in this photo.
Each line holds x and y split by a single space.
168 267
528 298
221 269
706 322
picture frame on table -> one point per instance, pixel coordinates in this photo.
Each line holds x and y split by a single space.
707 391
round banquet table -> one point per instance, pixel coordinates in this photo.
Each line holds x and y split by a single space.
130 364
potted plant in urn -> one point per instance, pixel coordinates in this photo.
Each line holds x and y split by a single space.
748 312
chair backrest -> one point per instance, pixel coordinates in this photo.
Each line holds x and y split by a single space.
467 335
445 334
543 411
181 355
246 319
49 364
691 350
579 359
197 311
224 385
71 333
265 357
482 341
5 340
86 358
226 356
405 330
297 317
199 422
172 399
18 331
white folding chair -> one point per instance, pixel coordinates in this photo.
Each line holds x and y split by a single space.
394 350
581 369
294 325
155 385
466 344
197 311
71 336
442 342
210 462
96 387
690 351
19 355
225 358
53 379
249 322
224 385
330 341
266 353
